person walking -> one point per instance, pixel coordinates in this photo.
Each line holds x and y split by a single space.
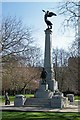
7 101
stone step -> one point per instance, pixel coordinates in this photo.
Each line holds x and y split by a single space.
37 102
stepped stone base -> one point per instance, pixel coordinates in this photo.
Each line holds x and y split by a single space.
56 101
42 102
45 98
42 97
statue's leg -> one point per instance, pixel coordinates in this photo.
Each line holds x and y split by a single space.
43 81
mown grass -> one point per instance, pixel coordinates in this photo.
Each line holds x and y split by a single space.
39 116
77 97
27 96
2 98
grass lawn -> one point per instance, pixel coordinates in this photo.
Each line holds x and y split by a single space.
39 116
27 96
12 97
77 97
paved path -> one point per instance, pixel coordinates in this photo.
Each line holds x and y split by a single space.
70 108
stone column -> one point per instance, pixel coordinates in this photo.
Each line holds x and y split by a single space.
79 46
79 20
48 65
79 28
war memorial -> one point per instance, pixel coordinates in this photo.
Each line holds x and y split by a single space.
47 97
48 94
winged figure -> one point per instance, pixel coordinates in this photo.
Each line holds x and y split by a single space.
48 14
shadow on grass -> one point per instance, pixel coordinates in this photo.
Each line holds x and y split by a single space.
39 116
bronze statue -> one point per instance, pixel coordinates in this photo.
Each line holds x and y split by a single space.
48 14
43 76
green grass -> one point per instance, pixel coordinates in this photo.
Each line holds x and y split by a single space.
77 97
2 99
12 97
39 116
27 96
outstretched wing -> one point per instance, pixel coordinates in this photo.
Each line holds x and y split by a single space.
50 14
43 10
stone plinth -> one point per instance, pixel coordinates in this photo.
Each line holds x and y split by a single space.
57 101
42 86
44 94
42 102
70 97
43 91
19 100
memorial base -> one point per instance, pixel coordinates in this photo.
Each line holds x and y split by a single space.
42 97
45 98
43 91
41 102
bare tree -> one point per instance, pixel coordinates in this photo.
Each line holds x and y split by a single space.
17 40
71 12
19 54
15 37
33 57
60 57
69 9
18 78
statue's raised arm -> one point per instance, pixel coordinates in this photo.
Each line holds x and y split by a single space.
48 14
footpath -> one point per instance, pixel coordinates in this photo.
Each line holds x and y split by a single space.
11 107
